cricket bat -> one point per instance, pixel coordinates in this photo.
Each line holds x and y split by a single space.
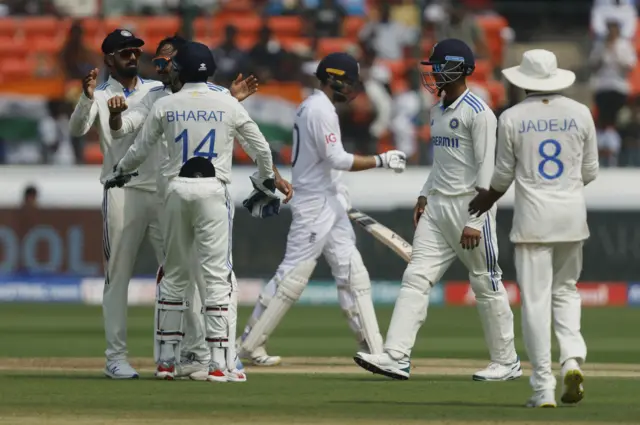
382 233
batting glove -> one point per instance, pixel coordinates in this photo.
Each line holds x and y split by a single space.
393 160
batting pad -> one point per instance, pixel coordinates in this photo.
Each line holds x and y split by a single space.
169 318
290 288
361 289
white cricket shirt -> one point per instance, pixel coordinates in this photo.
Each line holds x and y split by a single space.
197 121
318 154
463 136
547 144
86 112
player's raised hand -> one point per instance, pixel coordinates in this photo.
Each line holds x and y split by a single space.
117 105
285 188
470 238
89 83
418 210
394 160
242 89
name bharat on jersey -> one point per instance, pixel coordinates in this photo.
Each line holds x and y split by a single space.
196 116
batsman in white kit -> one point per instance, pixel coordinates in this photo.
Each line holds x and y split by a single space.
129 212
320 224
547 145
463 133
202 125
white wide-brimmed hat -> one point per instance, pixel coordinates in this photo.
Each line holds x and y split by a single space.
539 71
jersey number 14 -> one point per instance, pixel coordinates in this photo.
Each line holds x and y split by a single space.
204 148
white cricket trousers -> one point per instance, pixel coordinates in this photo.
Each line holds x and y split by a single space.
128 215
198 221
320 226
436 244
547 275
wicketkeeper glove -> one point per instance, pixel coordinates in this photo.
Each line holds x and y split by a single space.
262 201
117 179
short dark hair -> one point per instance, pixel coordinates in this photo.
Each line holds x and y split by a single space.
30 191
175 41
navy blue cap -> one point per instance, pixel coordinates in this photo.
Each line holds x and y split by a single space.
194 61
341 66
120 39
451 49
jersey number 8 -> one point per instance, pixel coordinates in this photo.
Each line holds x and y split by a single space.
550 155
209 140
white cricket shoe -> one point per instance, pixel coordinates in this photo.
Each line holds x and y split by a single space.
544 398
384 364
499 372
166 371
258 357
193 369
572 379
120 369
216 375
236 375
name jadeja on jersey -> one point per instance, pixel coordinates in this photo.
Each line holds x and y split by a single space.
553 124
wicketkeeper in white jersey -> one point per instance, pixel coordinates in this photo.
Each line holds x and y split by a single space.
320 223
125 120
200 126
129 213
463 135
547 145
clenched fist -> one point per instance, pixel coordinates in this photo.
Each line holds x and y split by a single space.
117 105
89 83
393 160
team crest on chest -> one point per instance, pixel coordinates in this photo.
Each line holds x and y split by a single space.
454 123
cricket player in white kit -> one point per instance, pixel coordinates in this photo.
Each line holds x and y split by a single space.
547 145
202 125
463 132
320 223
129 213
195 356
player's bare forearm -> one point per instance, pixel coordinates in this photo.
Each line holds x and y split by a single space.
115 121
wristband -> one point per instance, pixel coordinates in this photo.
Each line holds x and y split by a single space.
378 160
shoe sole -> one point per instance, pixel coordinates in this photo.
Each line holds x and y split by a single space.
543 405
215 379
510 377
112 376
378 370
573 379
166 376
271 361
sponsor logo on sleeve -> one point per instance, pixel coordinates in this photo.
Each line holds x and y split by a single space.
331 138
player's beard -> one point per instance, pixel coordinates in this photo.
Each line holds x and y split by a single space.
127 71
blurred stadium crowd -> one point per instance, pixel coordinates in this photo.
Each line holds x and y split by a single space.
47 46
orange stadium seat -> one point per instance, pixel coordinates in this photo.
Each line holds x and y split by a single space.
11 48
285 25
16 68
397 67
92 153
634 81
246 24
45 27
352 25
329 45
92 27
292 43
498 93
50 46
161 26
131 23
492 27
238 5
9 27
285 154
202 26
483 70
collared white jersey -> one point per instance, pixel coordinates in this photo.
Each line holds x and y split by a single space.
197 121
318 154
88 110
463 136
547 144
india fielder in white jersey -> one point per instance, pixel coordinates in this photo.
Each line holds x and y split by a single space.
547 145
463 134
320 223
202 125
129 213
126 120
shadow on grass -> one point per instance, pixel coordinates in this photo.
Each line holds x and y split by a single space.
452 403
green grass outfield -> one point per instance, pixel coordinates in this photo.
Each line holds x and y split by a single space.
51 361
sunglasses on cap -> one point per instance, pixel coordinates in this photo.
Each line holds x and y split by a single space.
128 52
161 62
